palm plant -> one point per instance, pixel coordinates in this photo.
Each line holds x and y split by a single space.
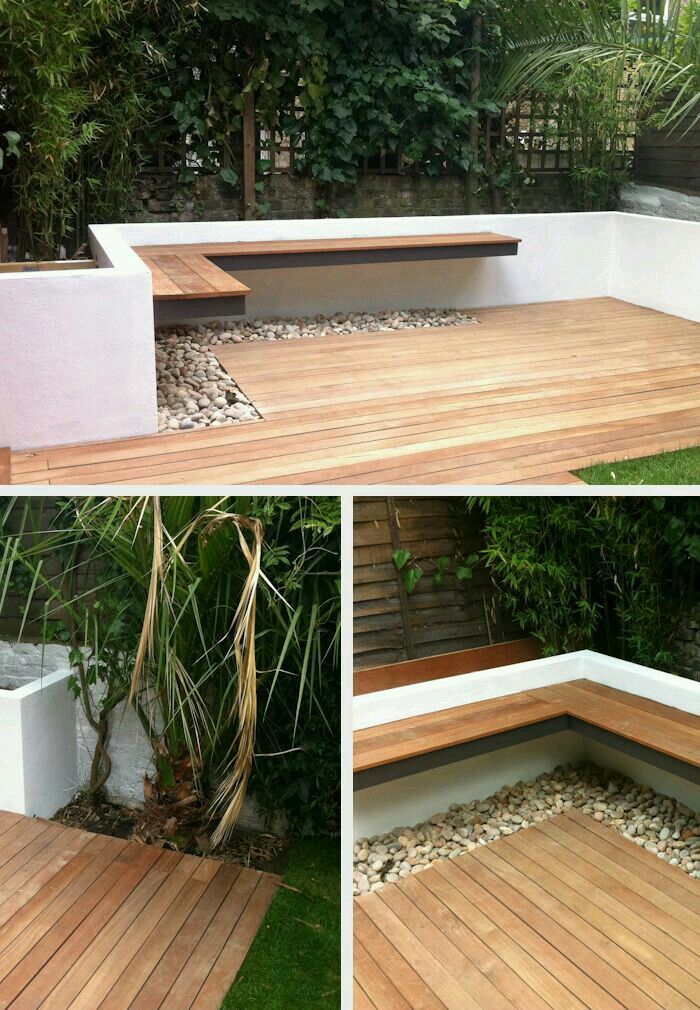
654 54
164 614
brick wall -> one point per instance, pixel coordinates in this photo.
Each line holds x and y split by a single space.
159 197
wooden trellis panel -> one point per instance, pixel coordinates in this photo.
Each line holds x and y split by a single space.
389 624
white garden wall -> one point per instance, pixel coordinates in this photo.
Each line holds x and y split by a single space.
407 801
46 742
77 355
38 753
560 256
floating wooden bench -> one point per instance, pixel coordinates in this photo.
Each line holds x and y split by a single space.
184 272
667 737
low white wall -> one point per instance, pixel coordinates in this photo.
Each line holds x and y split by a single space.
655 262
415 798
132 760
38 752
77 345
78 356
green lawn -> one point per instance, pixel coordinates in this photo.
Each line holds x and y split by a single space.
294 963
680 467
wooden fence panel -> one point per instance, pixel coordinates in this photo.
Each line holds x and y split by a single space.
663 159
391 625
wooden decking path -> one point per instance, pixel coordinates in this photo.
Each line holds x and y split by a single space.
528 394
565 915
89 922
659 727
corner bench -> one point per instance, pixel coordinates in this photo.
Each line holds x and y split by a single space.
659 734
183 273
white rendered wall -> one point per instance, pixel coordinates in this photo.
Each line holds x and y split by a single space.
646 774
38 753
415 798
132 759
656 262
78 361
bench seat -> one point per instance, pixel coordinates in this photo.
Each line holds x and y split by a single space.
409 745
204 270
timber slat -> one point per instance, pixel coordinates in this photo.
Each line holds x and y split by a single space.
89 921
526 395
646 722
539 919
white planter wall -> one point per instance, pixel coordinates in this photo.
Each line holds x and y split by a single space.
47 744
38 752
78 356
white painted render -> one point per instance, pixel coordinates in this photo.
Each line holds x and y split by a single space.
415 798
409 800
381 707
77 345
38 752
77 355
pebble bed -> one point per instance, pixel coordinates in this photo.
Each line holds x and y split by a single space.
658 823
194 391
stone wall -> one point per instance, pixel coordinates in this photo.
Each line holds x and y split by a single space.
23 663
159 197
638 199
687 647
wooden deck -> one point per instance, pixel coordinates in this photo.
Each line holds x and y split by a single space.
89 922
529 394
669 730
565 915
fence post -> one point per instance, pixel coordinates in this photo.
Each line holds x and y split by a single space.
472 177
249 156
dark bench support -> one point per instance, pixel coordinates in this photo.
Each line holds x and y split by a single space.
523 734
665 762
176 310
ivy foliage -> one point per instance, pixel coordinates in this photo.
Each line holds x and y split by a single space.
610 574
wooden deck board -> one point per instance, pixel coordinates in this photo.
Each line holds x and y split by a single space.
659 727
91 921
531 922
528 394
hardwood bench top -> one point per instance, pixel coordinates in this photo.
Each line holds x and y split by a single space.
187 274
329 245
659 727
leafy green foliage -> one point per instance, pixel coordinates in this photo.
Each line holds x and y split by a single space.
601 573
411 571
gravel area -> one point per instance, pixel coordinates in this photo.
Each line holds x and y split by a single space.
658 823
194 391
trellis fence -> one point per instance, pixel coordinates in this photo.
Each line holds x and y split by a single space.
528 134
